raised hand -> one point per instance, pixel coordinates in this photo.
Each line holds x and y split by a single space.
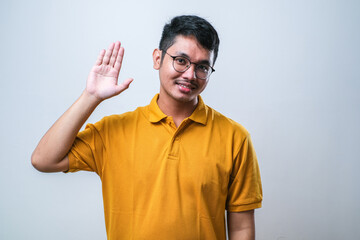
51 153
102 81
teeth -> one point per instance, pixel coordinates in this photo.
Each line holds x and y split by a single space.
184 86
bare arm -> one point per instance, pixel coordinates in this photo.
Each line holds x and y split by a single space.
50 155
241 225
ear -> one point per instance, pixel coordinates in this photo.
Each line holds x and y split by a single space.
157 58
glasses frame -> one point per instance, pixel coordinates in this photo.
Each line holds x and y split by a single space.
187 68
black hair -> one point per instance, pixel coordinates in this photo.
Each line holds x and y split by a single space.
190 25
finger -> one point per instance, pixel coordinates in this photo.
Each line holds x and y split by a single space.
123 86
100 57
108 54
119 59
114 53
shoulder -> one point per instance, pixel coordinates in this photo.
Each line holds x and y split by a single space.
226 124
118 120
127 116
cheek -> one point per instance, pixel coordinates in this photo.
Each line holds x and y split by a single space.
168 73
204 84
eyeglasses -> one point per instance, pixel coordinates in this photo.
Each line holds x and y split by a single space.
182 64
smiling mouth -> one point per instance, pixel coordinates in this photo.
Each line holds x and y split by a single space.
181 85
186 85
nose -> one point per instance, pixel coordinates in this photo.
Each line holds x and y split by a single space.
190 73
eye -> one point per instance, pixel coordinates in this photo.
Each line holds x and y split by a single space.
203 68
181 61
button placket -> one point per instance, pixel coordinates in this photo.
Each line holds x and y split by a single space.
175 141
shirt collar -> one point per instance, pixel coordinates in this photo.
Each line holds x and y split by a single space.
199 115
155 114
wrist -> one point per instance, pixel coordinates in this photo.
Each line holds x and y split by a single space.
90 99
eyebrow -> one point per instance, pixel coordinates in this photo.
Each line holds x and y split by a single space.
182 54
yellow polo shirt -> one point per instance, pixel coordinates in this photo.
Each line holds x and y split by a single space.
162 182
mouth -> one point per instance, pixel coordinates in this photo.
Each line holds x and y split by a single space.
186 85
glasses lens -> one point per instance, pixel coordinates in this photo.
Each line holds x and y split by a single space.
181 64
203 71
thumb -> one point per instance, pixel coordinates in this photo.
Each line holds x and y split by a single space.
123 86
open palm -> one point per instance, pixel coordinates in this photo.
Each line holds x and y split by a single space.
103 78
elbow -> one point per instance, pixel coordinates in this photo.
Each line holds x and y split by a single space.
36 161
44 163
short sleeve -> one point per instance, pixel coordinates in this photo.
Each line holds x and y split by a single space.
245 190
87 151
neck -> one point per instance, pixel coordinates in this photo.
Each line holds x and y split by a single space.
177 110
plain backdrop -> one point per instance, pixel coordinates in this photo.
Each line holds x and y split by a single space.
288 70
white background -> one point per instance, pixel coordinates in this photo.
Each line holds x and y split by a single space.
287 70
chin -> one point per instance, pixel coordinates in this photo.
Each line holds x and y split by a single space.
186 99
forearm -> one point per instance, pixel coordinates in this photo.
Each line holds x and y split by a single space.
56 143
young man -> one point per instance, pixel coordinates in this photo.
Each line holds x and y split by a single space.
170 169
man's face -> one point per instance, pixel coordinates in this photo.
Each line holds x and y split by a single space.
182 87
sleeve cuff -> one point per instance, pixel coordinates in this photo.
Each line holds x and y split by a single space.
242 208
